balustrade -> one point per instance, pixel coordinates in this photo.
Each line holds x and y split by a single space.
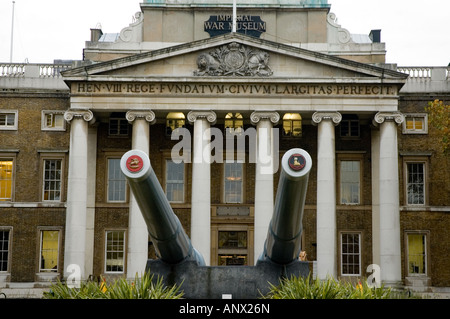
425 72
12 69
416 72
52 70
32 70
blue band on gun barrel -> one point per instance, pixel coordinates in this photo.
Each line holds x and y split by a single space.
297 162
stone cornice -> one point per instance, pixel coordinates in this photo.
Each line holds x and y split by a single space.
318 117
257 116
147 115
210 116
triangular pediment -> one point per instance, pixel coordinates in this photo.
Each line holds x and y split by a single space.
234 56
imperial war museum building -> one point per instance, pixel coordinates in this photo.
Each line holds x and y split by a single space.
180 85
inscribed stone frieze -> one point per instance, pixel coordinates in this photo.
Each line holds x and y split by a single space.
245 89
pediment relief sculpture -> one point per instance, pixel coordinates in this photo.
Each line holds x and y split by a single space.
233 60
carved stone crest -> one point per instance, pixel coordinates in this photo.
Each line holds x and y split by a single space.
233 60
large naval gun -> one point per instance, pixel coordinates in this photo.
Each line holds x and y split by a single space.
180 263
171 242
283 243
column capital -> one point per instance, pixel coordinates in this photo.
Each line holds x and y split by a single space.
86 115
210 116
257 116
147 115
382 117
318 117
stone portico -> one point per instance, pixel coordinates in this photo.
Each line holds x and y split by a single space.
261 80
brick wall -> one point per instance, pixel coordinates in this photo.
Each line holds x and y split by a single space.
433 218
28 140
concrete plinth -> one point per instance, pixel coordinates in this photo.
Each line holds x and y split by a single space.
213 282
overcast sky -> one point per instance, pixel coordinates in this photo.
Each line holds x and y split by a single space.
416 32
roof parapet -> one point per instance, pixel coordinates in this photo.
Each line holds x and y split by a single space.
17 76
241 3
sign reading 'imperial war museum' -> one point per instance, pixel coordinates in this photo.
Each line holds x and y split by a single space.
246 24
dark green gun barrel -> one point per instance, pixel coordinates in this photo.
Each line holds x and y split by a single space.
283 242
171 242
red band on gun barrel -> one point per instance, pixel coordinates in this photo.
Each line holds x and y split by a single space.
134 163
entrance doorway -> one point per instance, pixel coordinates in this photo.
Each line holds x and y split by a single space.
232 240
233 248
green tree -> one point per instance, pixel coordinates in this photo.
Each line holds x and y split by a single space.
439 119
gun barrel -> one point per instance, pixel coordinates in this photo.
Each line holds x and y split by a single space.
283 242
171 242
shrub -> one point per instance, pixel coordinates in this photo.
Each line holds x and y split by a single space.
141 288
308 288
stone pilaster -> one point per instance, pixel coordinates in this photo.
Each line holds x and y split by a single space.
375 169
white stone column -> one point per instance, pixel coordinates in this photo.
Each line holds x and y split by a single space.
326 193
137 247
201 182
390 241
77 185
266 165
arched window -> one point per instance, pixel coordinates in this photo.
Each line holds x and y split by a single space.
234 121
292 125
174 120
